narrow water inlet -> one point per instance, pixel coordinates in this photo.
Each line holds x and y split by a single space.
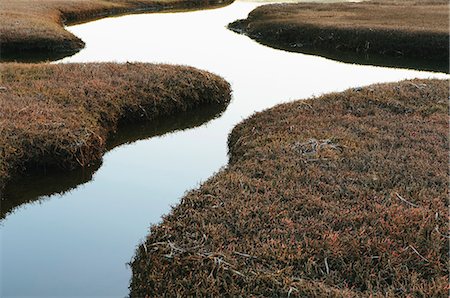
39 183
78 243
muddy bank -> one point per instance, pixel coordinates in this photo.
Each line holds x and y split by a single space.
340 196
412 34
35 30
62 116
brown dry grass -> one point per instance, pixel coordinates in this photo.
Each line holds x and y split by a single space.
62 115
407 29
38 184
340 196
37 25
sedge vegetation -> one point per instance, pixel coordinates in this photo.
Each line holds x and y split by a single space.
31 26
413 32
339 196
61 116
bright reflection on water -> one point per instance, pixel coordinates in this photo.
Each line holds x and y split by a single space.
78 243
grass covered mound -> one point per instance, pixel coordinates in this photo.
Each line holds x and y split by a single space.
340 196
37 25
61 115
402 29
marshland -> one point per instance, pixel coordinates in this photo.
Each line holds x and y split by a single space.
387 33
66 124
343 194
35 28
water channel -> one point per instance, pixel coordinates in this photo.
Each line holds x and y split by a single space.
77 232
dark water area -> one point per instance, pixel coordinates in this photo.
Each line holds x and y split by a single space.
34 57
71 234
368 59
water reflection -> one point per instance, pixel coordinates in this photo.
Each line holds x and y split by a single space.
38 184
81 240
35 56
368 59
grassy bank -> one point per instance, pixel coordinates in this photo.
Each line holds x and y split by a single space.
408 33
339 196
35 26
36 187
62 115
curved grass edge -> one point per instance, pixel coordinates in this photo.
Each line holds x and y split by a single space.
344 195
36 185
43 35
392 46
63 116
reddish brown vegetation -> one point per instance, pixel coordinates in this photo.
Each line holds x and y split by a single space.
37 25
61 115
340 196
403 29
38 183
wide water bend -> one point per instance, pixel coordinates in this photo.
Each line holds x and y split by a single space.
78 243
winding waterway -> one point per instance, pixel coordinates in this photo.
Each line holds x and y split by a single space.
78 243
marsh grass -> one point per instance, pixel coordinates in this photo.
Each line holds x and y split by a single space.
28 27
339 196
414 30
38 183
62 115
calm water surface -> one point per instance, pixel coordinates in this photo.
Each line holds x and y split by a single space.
78 243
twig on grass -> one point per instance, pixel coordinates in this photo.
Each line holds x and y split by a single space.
415 250
244 255
326 266
406 201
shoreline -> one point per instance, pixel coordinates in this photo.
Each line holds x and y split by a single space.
338 196
37 184
51 121
321 197
343 37
44 36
